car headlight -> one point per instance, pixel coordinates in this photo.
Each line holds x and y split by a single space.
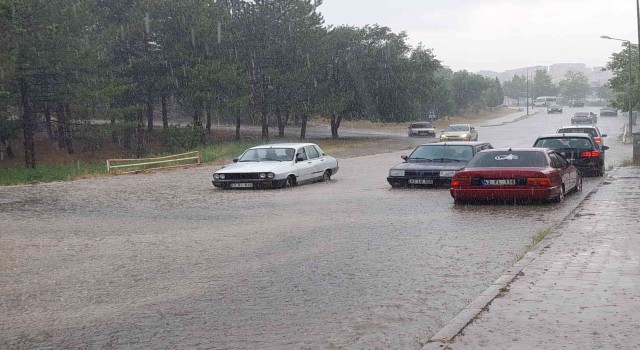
464 135
263 175
221 176
271 175
395 172
216 176
448 173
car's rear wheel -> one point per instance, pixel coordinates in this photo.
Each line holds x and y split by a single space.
289 182
560 197
326 176
578 187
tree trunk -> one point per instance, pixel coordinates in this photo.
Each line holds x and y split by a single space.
47 120
335 124
114 133
165 113
28 127
238 128
196 117
264 118
128 132
149 111
208 120
7 147
60 132
68 140
139 133
303 126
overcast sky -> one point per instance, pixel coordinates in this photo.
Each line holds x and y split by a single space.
499 34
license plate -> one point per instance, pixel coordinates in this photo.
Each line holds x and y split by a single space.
498 182
421 181
241 185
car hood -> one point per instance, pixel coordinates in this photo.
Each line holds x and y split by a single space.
430 166
253 167
455 133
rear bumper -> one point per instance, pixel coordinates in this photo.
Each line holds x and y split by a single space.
482 194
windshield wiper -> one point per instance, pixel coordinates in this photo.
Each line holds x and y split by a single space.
448 160
418 158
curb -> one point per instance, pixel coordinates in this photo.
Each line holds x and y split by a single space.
455 326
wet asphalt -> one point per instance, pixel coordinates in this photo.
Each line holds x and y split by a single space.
165 260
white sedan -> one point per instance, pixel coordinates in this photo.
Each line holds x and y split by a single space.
277 165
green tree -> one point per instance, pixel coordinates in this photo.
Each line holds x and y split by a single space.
542 84
574 86
515 88
621 79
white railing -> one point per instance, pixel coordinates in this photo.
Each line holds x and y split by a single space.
148 163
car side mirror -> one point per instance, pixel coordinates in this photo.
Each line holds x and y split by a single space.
299 158
404 157
235 160
604 135
604 148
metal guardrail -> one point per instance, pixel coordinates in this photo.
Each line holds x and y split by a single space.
145 162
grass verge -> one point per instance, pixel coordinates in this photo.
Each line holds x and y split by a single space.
537 238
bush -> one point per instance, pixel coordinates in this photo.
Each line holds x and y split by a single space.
178 139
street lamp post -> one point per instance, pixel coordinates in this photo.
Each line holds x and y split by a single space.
630 92
528 86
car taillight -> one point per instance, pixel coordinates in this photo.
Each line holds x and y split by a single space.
538 181
597 139
456 182
591 154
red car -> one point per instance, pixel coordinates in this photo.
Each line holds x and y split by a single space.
517 174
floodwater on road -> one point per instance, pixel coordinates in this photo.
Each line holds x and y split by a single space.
166 260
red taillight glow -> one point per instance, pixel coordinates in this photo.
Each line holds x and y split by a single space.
597 139
591 154
455 183
538 181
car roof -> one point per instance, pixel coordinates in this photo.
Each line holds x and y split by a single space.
284 145
455 143
520 149
579 126
581 113
458 124
564 134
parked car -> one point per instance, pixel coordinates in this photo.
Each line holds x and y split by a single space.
554 109
421 129
459 132
277 165
608 111
578 148
576 103
434 164
592 130
584 117
515 174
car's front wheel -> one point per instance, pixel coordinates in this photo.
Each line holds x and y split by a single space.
326 176
289 182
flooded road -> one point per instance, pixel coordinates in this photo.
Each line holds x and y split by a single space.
165 260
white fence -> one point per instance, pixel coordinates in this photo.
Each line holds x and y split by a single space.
140 164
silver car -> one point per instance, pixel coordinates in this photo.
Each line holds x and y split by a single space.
459 132
277 165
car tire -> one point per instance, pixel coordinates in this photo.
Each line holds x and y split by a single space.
601 171
326 176
457 201
289 182
560 197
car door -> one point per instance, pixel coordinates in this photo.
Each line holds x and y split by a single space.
569 178
304 165
316 161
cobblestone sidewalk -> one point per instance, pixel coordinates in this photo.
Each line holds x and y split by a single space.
582 291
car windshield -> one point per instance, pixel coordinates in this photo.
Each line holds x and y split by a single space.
460 127
267 154
590 131
421 125
435 153
508 159
581 114
565 142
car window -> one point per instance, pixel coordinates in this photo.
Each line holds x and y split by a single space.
442 152
563 161
312 152
592 131
508 159
301 154
555 162
421 125
457 127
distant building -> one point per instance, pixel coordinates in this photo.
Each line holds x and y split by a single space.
597 75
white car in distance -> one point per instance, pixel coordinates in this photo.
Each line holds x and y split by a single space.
277 166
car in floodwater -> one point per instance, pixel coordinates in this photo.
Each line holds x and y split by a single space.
434 164
584 117
554 109
518 174
608 111
592 130
421 129
277 166
459 132
578 148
